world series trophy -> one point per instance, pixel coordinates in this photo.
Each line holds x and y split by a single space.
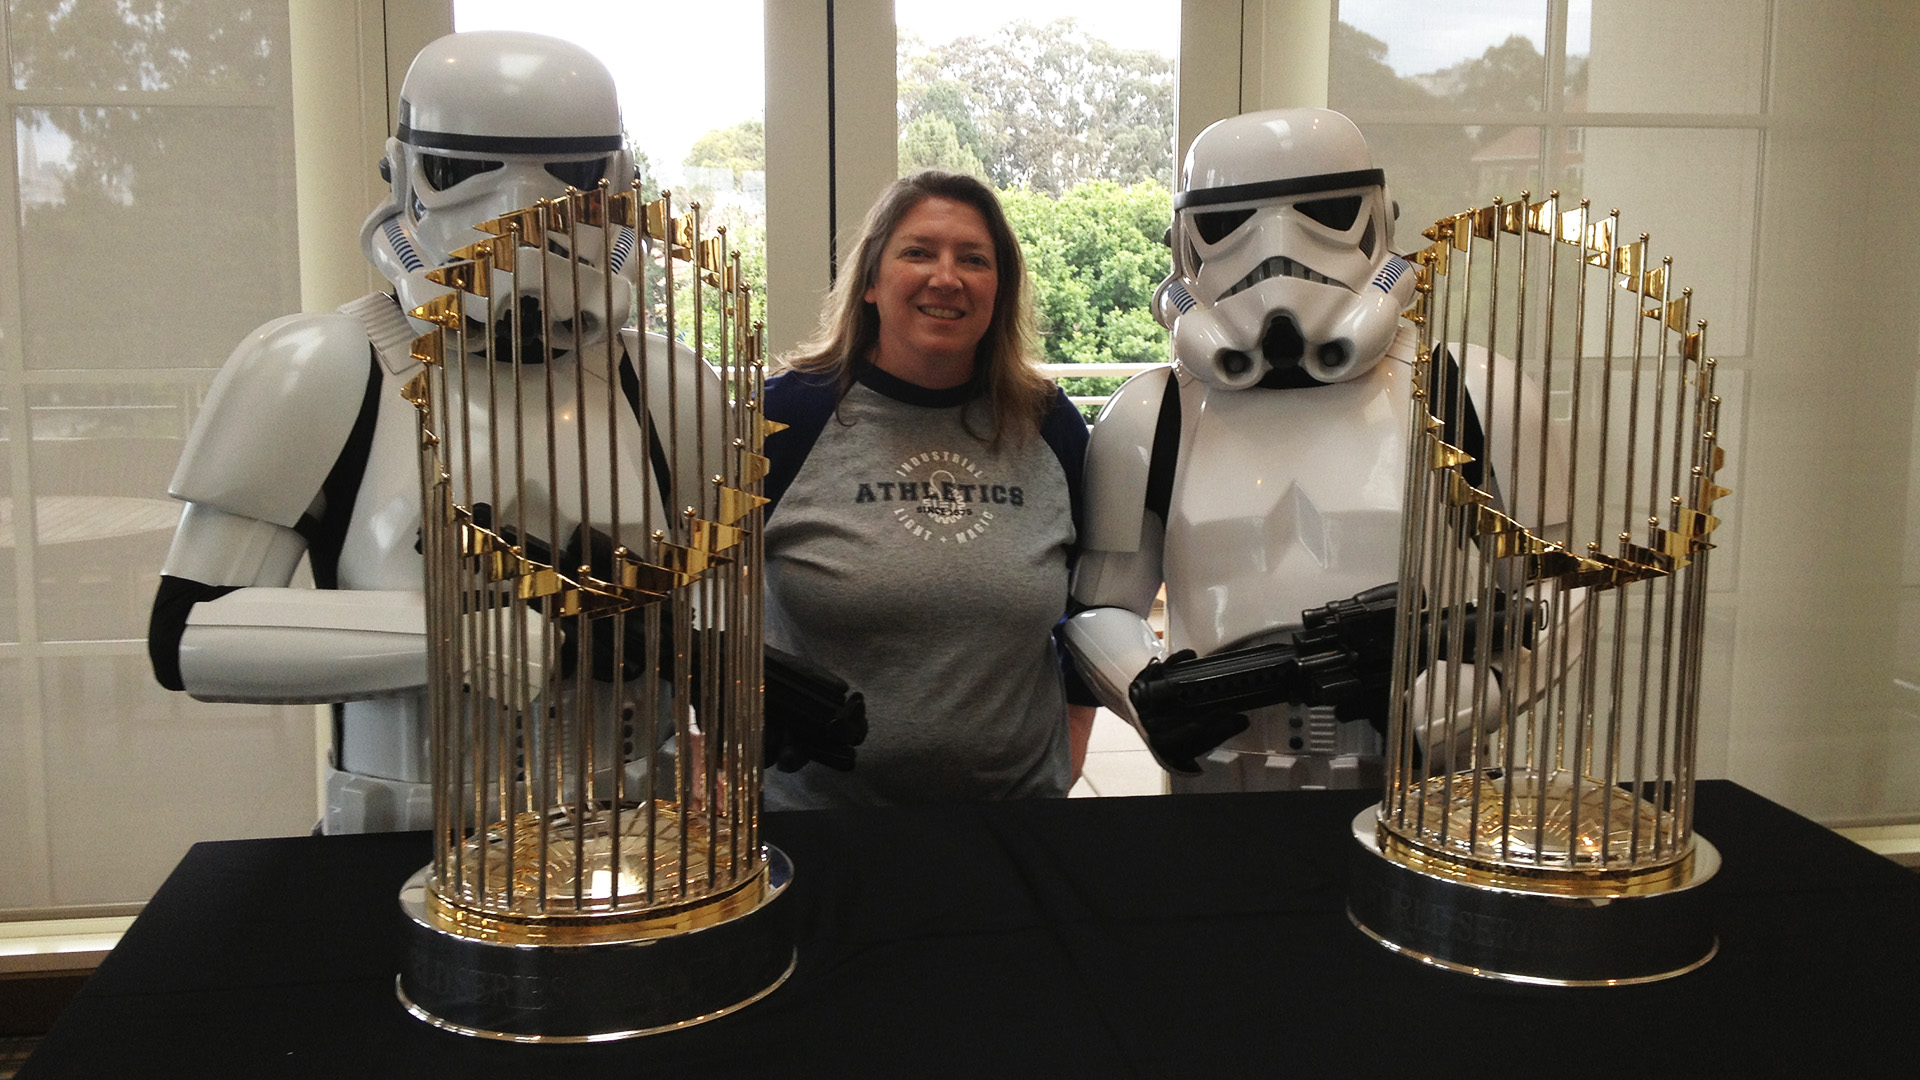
1537 821
595 693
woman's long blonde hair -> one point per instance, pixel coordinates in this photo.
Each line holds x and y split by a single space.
1004 375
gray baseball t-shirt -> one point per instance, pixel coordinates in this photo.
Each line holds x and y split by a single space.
927 568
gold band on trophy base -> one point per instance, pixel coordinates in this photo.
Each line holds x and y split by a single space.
592 554
1537 822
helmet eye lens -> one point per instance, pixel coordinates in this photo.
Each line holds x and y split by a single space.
1336 213
579 174
444 172
1216 225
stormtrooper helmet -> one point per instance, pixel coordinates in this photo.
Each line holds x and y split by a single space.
1282 270
490 122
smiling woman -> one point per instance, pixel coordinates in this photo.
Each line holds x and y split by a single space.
934 293
925 509
914 217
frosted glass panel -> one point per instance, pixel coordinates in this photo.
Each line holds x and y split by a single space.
178 221
1434 171
135 776
1694 191
20 875
102 456
147 44
151 148
1654 56
1632 56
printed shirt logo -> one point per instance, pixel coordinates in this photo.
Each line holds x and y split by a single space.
941 495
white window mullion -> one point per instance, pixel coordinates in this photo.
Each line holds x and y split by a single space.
865 124
31 866
799 170
1211 69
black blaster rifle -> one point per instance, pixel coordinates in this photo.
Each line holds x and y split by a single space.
1341 657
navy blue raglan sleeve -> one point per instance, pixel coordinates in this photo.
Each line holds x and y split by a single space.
802 401
1065 433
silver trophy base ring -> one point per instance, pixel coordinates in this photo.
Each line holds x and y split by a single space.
595 992
1529 937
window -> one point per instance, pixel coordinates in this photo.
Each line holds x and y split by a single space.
1652 108
152 224
103 776
1657 110
1067 110
710 146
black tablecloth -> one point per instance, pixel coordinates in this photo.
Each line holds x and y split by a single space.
1174 936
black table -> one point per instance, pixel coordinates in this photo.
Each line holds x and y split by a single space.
1173 936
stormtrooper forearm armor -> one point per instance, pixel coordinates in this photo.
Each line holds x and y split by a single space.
304 645
1112 640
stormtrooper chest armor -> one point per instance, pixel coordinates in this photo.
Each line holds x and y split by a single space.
1282 500
380 549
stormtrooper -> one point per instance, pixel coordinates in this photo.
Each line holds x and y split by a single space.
306 447
1260 476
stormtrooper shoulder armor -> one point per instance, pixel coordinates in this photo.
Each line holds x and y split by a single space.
276 418
1120 461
